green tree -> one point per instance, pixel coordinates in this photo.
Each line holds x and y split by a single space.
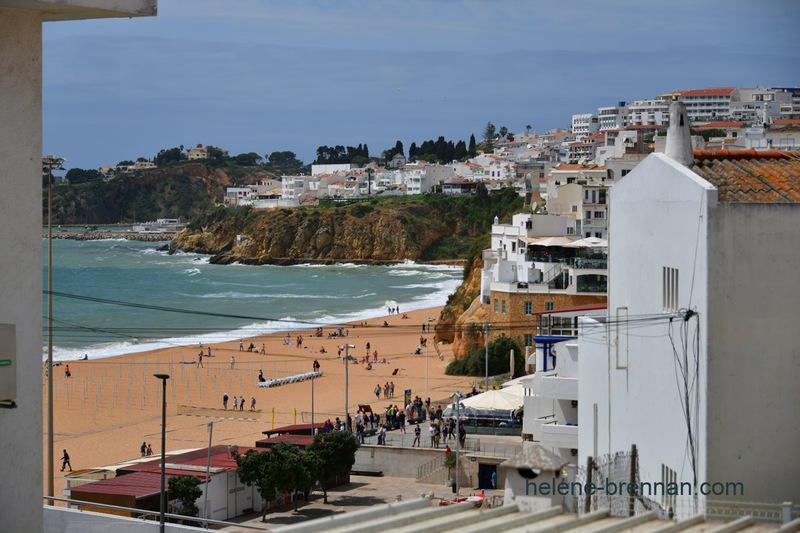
528 128
472 150
291 473
249 159
335 454
187 490
503 132
168 156
474 363
79 175
488 133
259 469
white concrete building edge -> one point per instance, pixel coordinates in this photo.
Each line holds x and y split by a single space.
20 233
657 221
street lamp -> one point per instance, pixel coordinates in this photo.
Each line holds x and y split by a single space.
50 163
347 381
163 378
457 395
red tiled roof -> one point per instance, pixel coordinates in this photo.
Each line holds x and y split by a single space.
595 136
591 166
751 176
137 484
717 91
785 121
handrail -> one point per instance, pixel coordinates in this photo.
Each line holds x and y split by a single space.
430 467
551 274
156 514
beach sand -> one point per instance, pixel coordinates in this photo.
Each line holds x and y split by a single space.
104 412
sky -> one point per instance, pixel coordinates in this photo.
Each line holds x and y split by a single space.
266 75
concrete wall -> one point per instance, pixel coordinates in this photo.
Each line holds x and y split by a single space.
394 461
658 218
61 520
754 350
21 264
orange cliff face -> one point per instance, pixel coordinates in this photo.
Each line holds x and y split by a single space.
286 236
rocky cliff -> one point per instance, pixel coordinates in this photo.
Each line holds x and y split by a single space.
320 236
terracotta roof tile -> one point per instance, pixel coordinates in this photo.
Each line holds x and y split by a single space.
751 176
716 91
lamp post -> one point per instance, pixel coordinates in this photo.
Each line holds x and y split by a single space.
427 338
457 395
208 469
347 381
50 162
163 378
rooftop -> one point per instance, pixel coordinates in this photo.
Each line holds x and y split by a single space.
764 176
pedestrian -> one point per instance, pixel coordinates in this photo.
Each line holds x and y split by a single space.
235 402
149 449
378 391
241 403
233 361
401 417
225 401
437 435
66 371
65 463
252 403
200 360
417 432
432 432
391 389
241 345
209 351
143 449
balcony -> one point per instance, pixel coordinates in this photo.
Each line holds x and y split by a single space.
548 432
555 386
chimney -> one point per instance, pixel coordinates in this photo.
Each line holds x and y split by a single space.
679 140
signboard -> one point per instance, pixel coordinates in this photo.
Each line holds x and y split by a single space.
8 362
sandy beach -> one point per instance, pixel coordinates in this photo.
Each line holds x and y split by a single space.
108 407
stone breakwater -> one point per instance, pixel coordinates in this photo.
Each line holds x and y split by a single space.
99 235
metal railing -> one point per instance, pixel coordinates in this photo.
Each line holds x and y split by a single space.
144 514
426 469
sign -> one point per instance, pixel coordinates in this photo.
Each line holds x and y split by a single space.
8 362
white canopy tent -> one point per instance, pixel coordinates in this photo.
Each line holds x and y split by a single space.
499 404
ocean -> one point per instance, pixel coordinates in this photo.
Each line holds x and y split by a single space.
113 297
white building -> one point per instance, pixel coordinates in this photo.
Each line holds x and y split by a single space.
585 124
200 152
613 117
20 229
697 361
709 104
648 113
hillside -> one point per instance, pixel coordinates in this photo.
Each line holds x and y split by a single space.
184 191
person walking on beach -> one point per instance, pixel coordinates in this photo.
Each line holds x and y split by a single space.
241 345
225 401
149 449
209 351
235 402
200 360
378 391
66 371
65 463
233 361
241 403
252 403
143 449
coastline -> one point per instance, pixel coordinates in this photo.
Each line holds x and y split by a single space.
109 406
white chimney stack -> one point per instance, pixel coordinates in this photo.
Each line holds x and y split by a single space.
679 138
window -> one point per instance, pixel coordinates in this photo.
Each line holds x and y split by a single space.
669 288
504 307
598 234
528 308
495 305
574 208
528 339
598 214
624 172
549 306
570 231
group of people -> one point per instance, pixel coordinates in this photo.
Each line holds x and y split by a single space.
238 403
146 449
394 310
388 390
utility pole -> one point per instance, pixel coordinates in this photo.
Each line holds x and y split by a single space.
347 381
457 396
208 471
51 163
